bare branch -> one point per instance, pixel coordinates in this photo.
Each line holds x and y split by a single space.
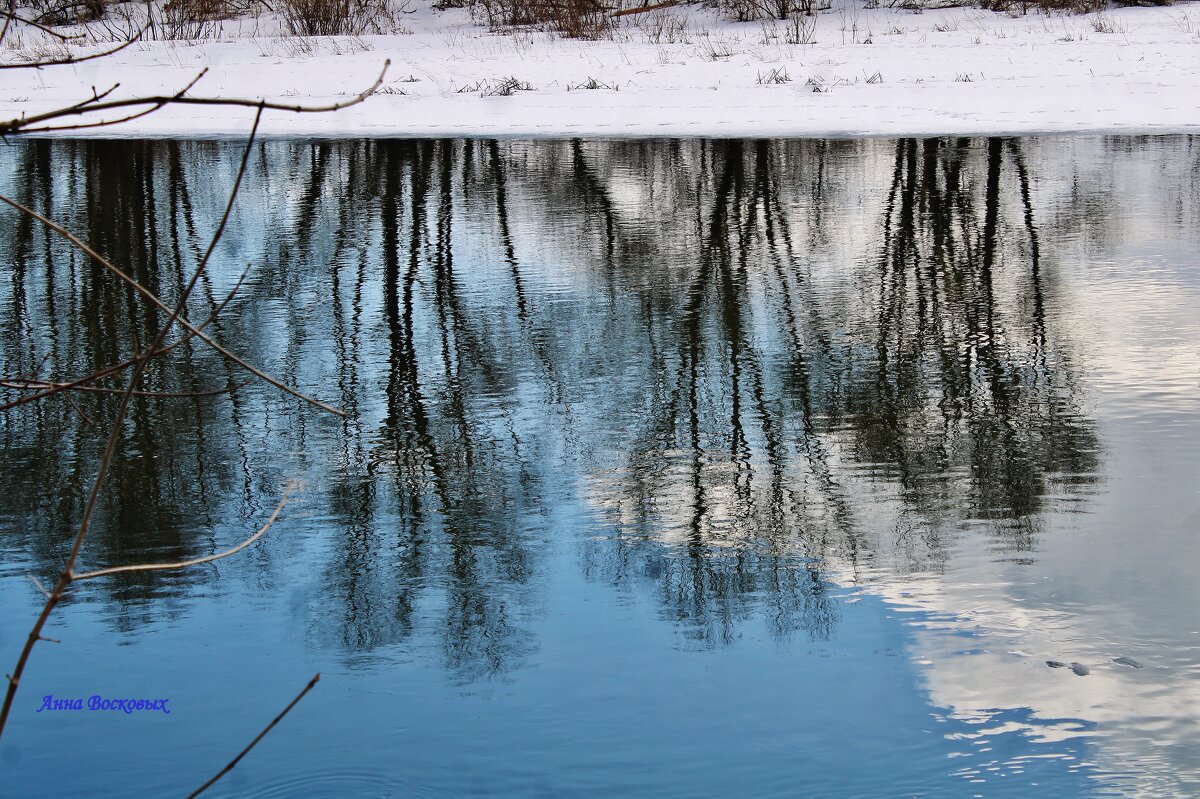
76 59
95 98
316 678
41 385
133 108
25 124
33 373
216 237
44 29
67 576
82 415
39 585
87 106
183 564
109 371
145 292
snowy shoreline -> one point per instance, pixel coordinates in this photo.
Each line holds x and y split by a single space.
866 73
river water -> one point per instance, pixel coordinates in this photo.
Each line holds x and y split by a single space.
674 468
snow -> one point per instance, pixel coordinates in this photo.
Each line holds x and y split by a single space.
882 72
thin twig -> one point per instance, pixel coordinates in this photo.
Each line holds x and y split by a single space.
33 373
316 678
82 414
145 292
141 360
67 576
75 59
8 17
220 231
109 371
88 106
24 124
39 585
30 385
44 29
183 564
64 579
96 97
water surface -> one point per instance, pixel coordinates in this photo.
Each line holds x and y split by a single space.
670 468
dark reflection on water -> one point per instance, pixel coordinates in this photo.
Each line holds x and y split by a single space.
732 376
712 389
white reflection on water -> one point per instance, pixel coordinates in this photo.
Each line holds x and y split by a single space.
1117 582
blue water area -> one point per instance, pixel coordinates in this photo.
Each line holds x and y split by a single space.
610 700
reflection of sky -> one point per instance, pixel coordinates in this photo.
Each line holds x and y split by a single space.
1120 580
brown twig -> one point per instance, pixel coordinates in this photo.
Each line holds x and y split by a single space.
141 360
95 98
65 578
39 585
183 564
76 59
109 371
31 385
33 373
68 573
82 414
8 18
25 124
229 767
145 292
181 303
87 106
9 15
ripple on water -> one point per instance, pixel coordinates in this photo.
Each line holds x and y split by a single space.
335 784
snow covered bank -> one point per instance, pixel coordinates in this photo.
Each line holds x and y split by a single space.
884 72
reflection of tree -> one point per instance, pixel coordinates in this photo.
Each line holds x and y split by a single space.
78 320
738 371
963 378
435 502
943 381
714 428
